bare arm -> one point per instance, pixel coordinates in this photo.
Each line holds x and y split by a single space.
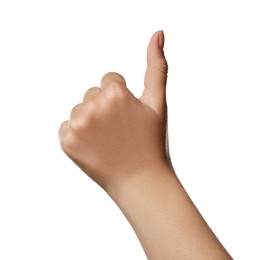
164 218
119 142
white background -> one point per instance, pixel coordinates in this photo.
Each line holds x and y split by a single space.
52 51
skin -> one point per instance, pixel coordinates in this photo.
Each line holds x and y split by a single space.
120 142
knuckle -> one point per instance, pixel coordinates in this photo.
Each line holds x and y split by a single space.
63 133
77 125
67 143
63 129
111 76
115 88
163 66
86 118
90 93
111 79
75 111
160 66
91 110
116 92
75 121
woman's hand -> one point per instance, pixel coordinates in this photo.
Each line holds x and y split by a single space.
113 136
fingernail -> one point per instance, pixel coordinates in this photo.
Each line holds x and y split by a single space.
161 39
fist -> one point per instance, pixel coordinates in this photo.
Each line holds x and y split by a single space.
112 135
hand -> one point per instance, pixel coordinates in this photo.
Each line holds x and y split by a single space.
112 135
120 142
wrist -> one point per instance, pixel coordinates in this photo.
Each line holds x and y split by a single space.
164 217
146 200
145 178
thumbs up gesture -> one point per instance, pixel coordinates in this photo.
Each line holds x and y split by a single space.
119 141
112 135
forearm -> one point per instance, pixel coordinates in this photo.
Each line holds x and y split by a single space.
164 218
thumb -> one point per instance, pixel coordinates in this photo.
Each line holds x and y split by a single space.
154 94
